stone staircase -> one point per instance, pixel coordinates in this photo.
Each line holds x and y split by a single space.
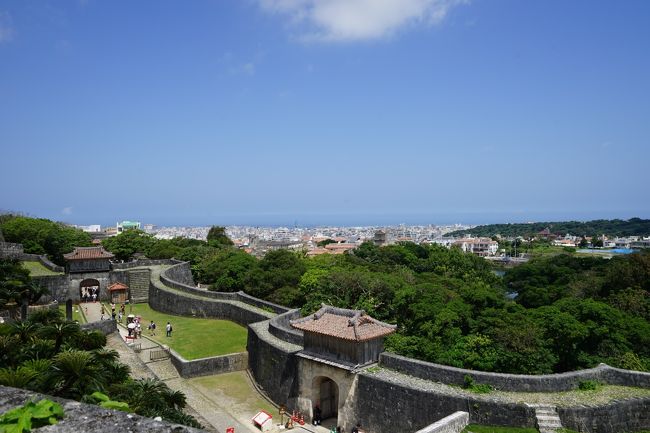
139 284
547 419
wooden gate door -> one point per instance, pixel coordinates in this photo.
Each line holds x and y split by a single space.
328 400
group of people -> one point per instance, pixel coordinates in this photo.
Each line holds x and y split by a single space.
89 294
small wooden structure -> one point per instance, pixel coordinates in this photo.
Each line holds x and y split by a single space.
344 336
119 293
88 259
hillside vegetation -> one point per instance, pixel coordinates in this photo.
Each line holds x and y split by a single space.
617 227
569 312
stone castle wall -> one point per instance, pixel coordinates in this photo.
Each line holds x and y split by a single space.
211 365
514 382
395 403
622 416
279 326
272 363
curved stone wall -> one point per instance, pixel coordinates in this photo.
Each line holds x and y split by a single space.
514 382
272 363
386 405
144 262
179 276
171 302
49 265
279 326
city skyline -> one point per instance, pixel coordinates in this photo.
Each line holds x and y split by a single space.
343 113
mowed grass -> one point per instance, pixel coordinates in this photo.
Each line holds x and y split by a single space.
234 391
36 269
77 315
476 428
193 337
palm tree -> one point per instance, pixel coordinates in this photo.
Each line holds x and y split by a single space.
74 374
175 399
59 332
20 377
26 331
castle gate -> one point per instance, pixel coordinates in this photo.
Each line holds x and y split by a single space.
325 394
88 287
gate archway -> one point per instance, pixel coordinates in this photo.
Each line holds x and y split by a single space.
325 394
87 288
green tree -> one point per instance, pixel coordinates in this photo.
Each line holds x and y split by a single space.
129 242
42 236
217 237
226 270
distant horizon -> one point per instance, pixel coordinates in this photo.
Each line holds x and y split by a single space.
344 220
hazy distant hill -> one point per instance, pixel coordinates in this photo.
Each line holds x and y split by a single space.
631 227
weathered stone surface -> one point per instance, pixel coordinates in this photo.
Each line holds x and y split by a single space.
172 301
621 416
279 326
106 327
514 382
273 363
454 423
87 418
388 402
210 365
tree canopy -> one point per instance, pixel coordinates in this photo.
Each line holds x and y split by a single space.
450 307
616 227
42 236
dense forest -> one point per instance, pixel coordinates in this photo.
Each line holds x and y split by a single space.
567 313
553 314
617 227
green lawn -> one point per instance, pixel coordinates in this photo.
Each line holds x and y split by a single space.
77 315
192 337
476 428
234 392
36 269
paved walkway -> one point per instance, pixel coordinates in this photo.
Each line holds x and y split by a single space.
92 311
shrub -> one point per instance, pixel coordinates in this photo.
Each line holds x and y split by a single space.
589 385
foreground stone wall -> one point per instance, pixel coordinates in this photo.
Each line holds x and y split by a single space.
80 417
514 382
208 366
622 416
387 405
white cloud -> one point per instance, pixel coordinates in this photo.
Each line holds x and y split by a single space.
67 210
6 27
349 20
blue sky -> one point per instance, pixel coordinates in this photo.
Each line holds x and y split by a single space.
330 111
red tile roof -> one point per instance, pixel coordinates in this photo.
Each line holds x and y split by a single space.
86 253
117 286
353 325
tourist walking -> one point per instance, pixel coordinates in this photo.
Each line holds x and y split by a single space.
169 329
152 328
